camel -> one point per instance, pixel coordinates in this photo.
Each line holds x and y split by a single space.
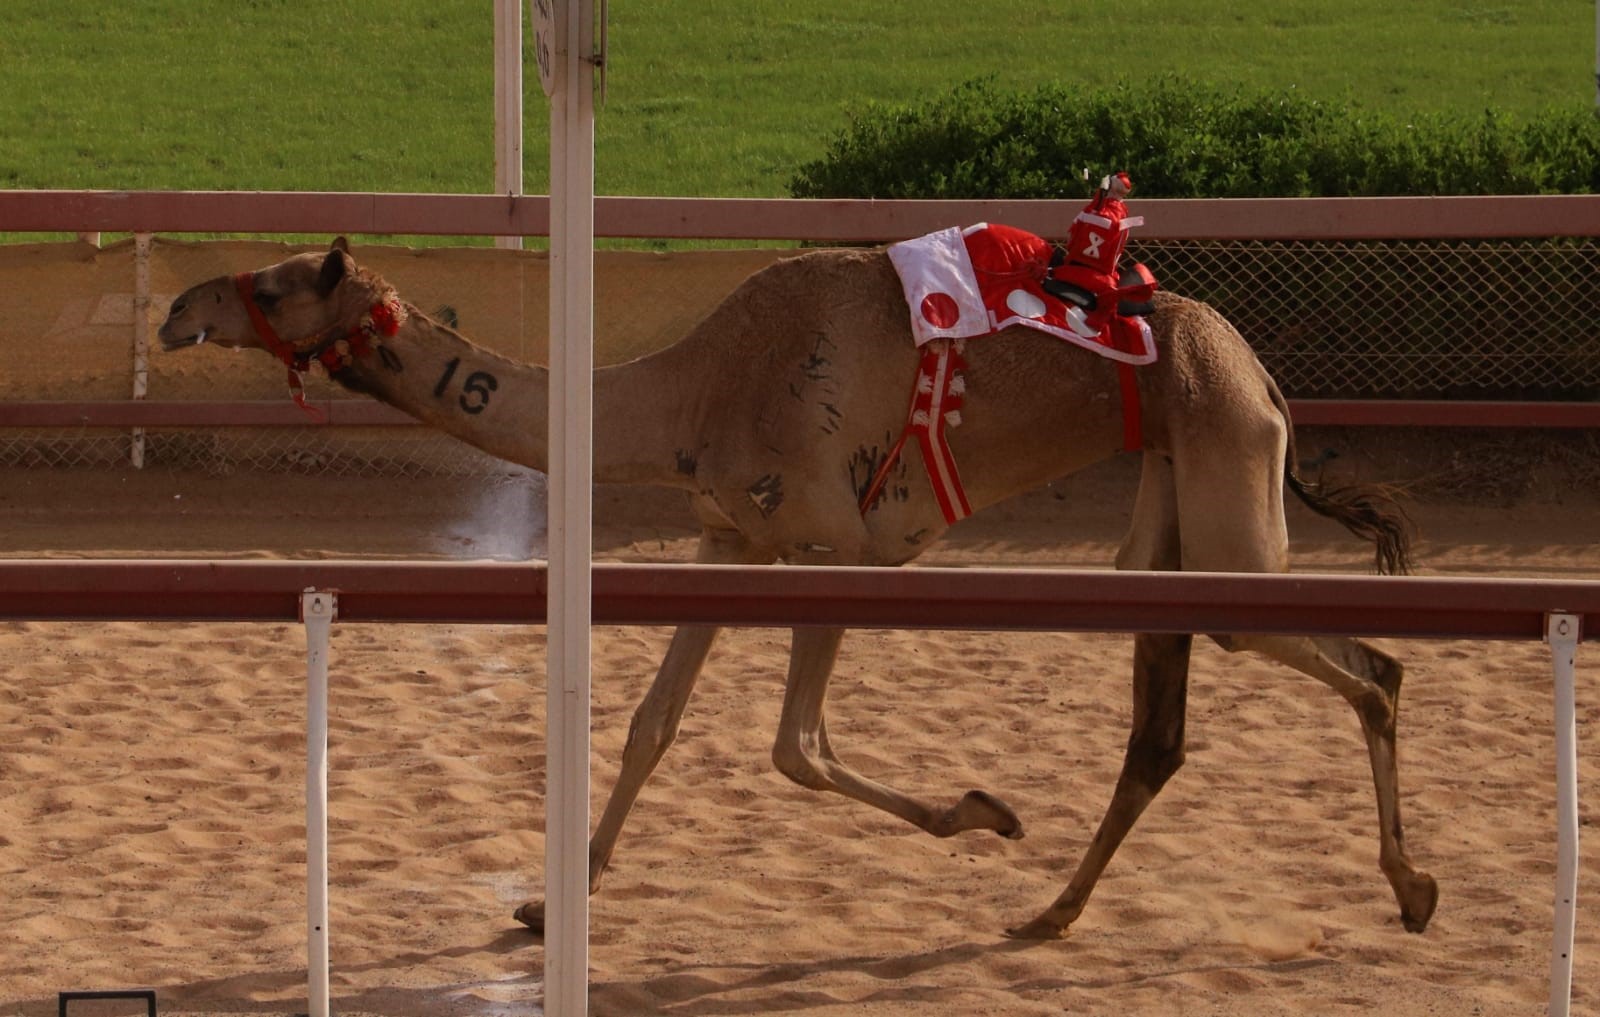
773 414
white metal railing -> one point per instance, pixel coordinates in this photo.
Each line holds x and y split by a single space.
319 592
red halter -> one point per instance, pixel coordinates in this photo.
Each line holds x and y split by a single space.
328 348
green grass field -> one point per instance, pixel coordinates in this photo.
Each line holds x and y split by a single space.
706 97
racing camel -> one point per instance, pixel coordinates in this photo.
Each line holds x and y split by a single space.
773 414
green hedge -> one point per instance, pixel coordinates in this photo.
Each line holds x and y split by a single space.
1181 139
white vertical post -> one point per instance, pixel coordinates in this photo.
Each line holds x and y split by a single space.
317 611
1562 632
566 963
141 335
508 105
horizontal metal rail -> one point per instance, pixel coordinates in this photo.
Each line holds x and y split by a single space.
1442 413
364 413
202 413
840 220
913 598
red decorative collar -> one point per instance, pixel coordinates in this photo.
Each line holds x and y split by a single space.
334 351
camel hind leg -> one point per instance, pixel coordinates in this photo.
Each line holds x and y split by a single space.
1230 509
1190 515
1369 680
1160 695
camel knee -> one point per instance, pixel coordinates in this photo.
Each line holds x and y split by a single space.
1379 701
1363 660
1367 678
1384 670
1152 763
1233 644
649 737
800 763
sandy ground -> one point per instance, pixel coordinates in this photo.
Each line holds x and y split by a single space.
151 782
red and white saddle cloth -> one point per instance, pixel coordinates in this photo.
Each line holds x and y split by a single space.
961 285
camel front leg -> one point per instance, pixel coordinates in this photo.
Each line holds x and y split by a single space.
652 731
1369 680
1155 752
802 752
655 723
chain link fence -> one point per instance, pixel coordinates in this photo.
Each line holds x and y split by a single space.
353 452
1513 320
72 317
1404 319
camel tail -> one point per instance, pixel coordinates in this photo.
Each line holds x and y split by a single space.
1368 511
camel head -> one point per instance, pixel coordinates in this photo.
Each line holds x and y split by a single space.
303 301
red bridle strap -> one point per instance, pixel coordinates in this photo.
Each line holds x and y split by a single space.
245 283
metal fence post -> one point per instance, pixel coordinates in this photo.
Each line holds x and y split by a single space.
317 609
1562 632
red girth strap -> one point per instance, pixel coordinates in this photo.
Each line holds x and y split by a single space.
1132 411
936 455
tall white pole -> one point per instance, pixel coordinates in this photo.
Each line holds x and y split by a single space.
1562 632
566 963
508 104
316 611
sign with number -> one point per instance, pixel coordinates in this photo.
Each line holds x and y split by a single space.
543 13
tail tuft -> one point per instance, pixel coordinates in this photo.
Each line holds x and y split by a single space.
1369 512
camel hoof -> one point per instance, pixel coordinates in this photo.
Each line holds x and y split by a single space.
1039 928
979 810
1417 902
531 914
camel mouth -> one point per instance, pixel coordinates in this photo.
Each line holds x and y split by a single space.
171 342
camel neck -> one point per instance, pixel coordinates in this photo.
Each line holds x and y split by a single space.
446 382
502 406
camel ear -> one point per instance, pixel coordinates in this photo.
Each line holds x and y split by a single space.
334 268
